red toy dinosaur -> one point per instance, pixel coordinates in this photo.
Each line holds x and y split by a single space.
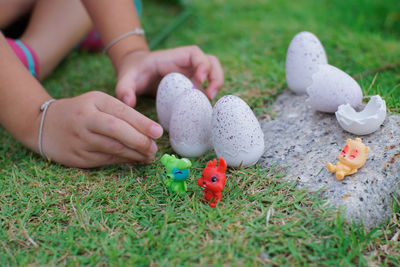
213 181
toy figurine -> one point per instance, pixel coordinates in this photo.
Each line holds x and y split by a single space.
213 181
177 171
351 158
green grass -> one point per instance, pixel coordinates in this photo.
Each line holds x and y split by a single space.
123 215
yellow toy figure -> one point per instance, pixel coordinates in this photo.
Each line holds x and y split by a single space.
351 158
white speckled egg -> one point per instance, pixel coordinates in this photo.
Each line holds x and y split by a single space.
190 125
332 87
304 54
170 87
236 133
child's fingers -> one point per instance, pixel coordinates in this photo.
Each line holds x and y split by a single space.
216 77
109 146
125 90
134 118
199 62
196 84
205 66
97 159
122 132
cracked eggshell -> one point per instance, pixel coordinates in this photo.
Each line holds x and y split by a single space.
236 133
332 87
304 54
364 122
170 87
190 125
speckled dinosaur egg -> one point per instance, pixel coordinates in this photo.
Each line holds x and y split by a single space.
236 133
190 125
169 89
332 87
304 54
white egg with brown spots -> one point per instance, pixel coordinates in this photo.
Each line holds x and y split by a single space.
190 124
304 54
332 87
169 89
236 133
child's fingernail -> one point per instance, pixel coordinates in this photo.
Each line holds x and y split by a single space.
153 148
203 77
149 160
156 131
213 94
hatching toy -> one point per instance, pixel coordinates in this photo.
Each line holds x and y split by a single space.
351 158
177 171
213 181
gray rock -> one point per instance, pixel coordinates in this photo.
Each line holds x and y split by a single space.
303 141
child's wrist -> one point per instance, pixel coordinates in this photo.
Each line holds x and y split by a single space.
126 46
27 130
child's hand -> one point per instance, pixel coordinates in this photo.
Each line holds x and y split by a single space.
140 72
96 129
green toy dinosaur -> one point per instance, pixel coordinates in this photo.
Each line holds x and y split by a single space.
177 171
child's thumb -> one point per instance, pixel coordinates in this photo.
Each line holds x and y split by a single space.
125 92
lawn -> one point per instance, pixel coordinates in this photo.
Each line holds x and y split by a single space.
123 215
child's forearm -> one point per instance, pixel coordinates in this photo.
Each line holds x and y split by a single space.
113 19
20 98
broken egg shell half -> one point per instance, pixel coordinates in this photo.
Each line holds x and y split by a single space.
304 54
190 124
332 87
364 122
169 89
236 133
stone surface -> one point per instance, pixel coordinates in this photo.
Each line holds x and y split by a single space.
303 141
